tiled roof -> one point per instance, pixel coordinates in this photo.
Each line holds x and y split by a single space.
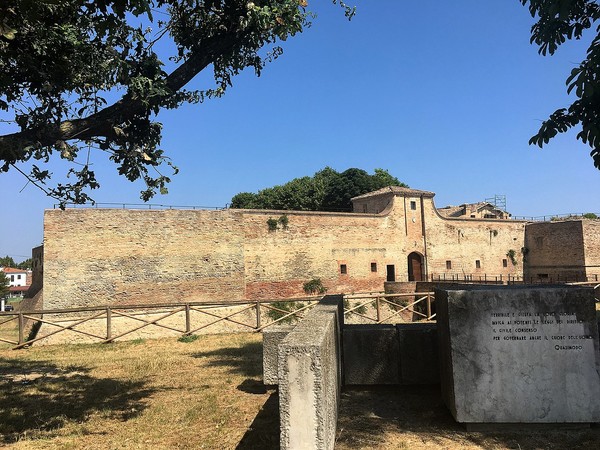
450 211
18 288
11 270
396 190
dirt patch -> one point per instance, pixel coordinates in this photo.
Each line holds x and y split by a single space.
414 417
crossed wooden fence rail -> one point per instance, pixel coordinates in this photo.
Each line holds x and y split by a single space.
399 306
258 323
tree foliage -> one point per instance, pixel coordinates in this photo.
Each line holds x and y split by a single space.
4 288
327 190
7 261
62 61
559 20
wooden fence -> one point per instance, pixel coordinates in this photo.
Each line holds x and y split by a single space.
258 315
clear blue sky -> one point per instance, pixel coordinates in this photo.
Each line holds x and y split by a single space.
445 95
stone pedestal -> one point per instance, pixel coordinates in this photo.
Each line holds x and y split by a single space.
519 354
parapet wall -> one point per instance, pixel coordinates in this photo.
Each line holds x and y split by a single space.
310 378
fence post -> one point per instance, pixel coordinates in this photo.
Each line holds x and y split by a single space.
188 324
108 323
428 306
378 309
21 326
258 318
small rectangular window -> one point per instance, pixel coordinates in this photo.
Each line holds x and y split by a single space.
448 265
504 263
18 277
373 267
343 269
413 205
477 264
12 278
391 272
543 275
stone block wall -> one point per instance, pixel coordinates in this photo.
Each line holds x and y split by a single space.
310 378
591 239
555 251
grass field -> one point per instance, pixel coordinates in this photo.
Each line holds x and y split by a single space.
208 393
154 394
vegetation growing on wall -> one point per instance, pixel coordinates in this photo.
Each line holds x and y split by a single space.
314 286
512 256
524 251
274 224
326 190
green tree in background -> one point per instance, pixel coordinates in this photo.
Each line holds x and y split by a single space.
326 190
559 20
7 261
26 265
62 62
3 284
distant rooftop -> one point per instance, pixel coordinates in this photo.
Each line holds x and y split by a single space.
396 190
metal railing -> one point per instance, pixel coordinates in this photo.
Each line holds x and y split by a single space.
154 206
557 217
474 278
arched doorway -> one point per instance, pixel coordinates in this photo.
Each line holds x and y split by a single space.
415 267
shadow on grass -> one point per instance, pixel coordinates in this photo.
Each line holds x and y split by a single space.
264 430
245 360
38 398
370 417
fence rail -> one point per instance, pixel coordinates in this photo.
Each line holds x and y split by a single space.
194 317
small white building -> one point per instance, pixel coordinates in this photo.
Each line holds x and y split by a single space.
16 277
19 281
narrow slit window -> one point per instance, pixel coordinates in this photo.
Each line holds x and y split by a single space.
504 263
477 264
373 267
448 265
343 269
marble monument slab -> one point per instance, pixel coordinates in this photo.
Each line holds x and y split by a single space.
519 354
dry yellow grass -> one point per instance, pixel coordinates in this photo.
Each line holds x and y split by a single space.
163 394
153 394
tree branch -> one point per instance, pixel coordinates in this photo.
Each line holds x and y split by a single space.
16 146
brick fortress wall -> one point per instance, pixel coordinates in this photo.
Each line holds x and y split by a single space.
115 256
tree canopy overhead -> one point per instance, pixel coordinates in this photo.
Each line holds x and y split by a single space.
61 61
559 20
326 190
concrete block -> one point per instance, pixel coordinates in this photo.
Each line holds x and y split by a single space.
272 337
419 360
371 355
310 376
519 354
